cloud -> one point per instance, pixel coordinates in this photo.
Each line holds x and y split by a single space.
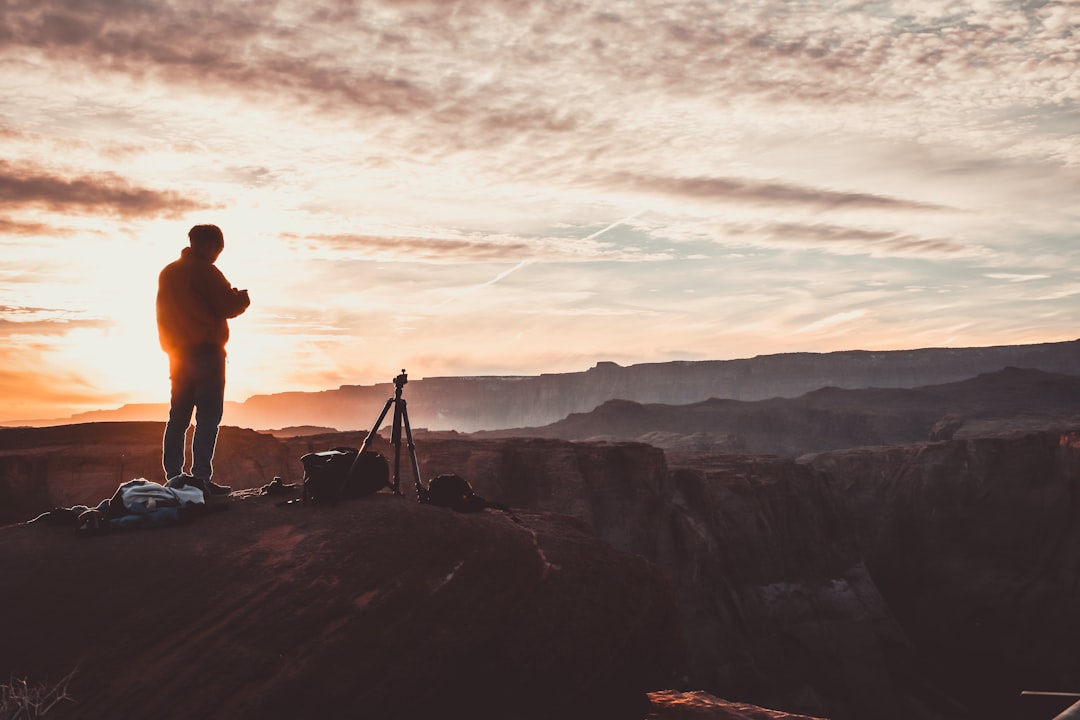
568 81
835 319
481 248
854 240
16 228
844 240
16 320
743 191
416 249
378 54
262 47
1016 277
30 186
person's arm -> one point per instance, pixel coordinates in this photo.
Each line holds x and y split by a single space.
227 300
242 301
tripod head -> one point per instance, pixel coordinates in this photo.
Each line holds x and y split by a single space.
400 380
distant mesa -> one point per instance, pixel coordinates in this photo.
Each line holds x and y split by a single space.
469 404
831 418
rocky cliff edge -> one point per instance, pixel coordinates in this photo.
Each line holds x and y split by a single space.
376 608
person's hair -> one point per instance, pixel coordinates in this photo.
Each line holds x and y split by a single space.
206 236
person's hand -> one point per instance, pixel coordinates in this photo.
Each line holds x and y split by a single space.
243 295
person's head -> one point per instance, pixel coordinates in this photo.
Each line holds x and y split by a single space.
207 240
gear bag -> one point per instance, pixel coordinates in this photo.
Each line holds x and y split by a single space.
343 473
455 492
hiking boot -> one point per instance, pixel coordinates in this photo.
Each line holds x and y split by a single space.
182 480
212 488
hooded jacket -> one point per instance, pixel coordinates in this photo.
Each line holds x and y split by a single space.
194 303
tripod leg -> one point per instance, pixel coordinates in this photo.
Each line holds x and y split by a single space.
395 438
412 451
367 443
375 427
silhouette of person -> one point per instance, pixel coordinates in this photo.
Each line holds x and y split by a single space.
194 304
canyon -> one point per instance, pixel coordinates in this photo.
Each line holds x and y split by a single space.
879 553
931 580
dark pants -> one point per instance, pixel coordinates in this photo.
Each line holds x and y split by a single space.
198 384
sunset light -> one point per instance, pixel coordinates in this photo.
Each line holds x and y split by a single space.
514 188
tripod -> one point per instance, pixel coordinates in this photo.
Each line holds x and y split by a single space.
401 415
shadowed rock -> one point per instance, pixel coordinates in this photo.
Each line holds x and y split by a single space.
378 608
976 545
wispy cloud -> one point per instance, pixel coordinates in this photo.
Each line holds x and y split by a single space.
417 249
836 319
38 327
24 186
846 240
478 248
742 191
15 228
1016 277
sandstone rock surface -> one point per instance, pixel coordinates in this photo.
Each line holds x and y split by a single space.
376 608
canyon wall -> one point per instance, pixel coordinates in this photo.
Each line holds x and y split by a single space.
975 543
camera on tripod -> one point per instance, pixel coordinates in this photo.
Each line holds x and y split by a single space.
401 418
370 469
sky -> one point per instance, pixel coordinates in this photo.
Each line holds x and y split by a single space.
516 187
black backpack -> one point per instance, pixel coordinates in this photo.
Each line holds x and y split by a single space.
343 473
455 492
